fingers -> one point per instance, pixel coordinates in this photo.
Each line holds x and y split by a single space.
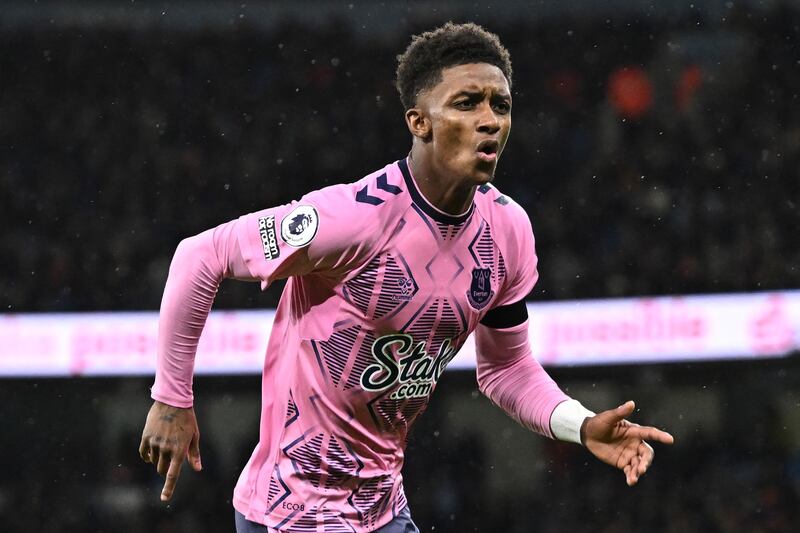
144 450
652 434
172 474
642 432
638 464
632 472
625 410
194 453
168 461
170 436
620 413
163 461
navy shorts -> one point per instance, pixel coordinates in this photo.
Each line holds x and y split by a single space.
402 523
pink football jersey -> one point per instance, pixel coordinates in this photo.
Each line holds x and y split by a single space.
383 290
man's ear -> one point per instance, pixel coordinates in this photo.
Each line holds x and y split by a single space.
418 123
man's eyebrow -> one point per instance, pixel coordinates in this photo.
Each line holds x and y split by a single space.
468 92
473 92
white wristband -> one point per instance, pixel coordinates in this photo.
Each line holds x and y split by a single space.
566 420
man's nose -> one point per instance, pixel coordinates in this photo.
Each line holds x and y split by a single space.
488 121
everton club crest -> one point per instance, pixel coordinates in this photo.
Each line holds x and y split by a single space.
480 291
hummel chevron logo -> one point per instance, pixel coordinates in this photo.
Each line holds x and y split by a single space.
365 198
384 185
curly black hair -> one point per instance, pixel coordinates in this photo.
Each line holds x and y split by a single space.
420 66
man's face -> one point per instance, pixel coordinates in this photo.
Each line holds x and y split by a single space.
470 119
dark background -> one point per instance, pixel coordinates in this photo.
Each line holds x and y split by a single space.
125 127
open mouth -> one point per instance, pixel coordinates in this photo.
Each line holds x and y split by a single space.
487 150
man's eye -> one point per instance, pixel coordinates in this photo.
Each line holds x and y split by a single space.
503 107
464 104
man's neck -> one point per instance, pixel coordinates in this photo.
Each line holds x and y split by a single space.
447 194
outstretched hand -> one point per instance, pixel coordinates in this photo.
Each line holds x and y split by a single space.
170 437
620 443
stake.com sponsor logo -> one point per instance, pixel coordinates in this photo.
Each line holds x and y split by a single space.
414 369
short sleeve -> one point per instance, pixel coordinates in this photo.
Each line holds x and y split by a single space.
319 233
519 252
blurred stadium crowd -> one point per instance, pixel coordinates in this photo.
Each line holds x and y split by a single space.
654 157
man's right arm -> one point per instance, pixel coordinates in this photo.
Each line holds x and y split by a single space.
318 233
198 266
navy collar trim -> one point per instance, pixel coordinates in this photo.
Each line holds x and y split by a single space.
423 204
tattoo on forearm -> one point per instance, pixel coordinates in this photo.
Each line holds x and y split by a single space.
169 417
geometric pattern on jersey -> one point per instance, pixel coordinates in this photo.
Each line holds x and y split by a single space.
361 287
384 286
439 319
448 231
340 464
362 359
346 354
334 523
371 498
438 256
274 489
401 499
396 415
501 266
305 457
486 254
291 411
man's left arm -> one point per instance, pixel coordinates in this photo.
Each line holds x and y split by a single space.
510 376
